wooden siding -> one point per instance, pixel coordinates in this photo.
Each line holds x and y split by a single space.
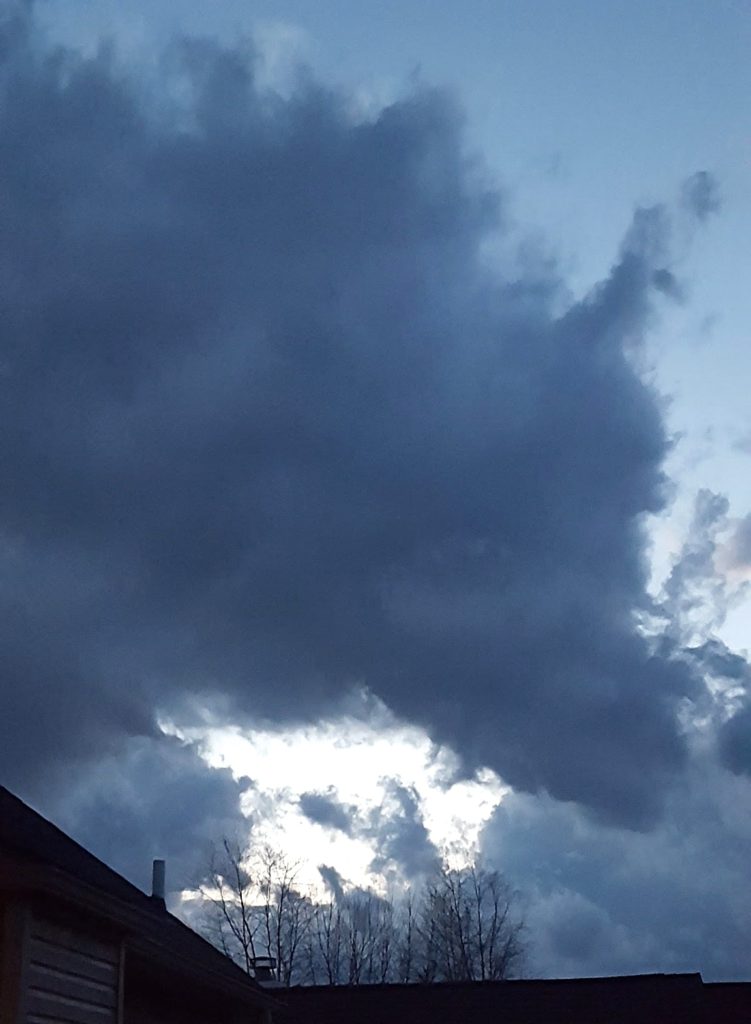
13 918
71 977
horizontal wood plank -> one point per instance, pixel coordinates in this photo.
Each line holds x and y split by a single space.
70 938
59 1008
50 979
71 961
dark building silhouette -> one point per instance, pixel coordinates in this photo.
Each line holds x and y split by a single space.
80 945
642 999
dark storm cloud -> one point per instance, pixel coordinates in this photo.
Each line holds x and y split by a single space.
604 900
324 809
332 880
402 842
156 799
735 738
718 660
696 598
733 734
394 829
270 428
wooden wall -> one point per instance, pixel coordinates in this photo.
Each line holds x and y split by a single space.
70 977
68 970
13 920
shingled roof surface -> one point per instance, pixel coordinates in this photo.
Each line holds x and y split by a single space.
26 834
644 998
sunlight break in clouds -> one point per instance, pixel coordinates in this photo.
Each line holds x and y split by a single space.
355 763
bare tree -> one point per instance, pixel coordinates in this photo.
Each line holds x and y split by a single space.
468 929
406 940
227 892
253 908
325 946
461 926
352 940
284 912
368 924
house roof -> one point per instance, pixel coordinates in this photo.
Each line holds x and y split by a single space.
662 998
47 859
24 831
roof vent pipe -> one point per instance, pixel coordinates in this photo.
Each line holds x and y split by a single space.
157 882
264 971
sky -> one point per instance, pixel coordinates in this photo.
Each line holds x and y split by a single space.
375 449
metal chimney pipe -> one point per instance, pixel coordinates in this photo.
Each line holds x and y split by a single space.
157 881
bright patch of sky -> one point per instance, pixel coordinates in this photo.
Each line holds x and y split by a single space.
354 760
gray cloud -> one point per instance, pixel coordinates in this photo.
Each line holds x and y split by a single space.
743 444
271 428
605 900
395 830
155 799
701 194
325 810
332 880
696 595
740 544
735 739
717 659
402 842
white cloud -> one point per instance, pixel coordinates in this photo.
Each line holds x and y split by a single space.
354 760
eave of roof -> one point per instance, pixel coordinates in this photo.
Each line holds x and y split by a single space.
31 842
649 998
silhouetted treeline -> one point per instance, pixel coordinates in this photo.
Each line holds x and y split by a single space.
459 924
